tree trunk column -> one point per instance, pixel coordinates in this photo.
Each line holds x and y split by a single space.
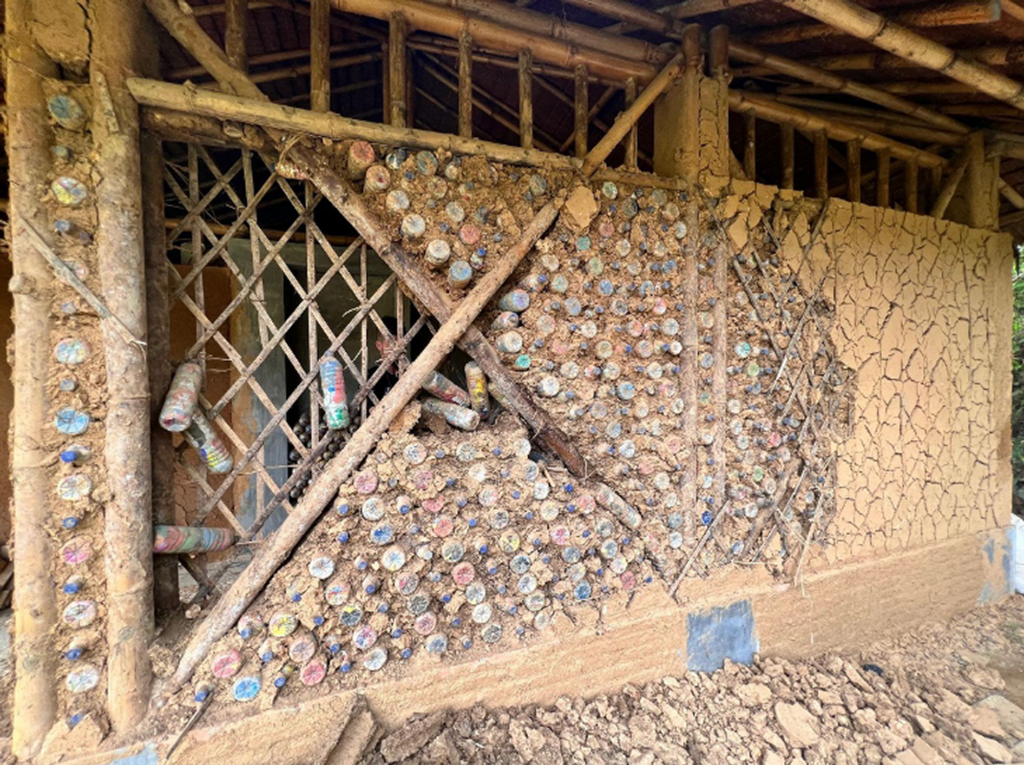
35 605
119 240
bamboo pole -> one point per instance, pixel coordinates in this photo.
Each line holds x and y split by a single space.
27 67
1010 194
450 22
853 171
444 47
948 189
581 110
319 55
166 597
397 69
998 55
525 99
927 16
892 37
466 85
788 156
910 179
690 154
777 112
334 126
750 144
632 138
821 164
556 27
628 119
978 202
872 120
837 84
304 70
665 20
882 184
193 72
236 17
128 521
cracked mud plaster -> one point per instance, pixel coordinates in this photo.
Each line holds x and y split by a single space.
922 315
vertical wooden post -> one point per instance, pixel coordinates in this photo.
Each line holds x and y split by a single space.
396 70
977 191
788 135
35 606
465 84
320 56
128 529
526 98
582 109
821 164
632 137
236 14
882 178
691 103
750 145
385 80
910 172
166 597
853 170
719 153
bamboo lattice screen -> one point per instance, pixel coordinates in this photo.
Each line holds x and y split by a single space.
263 307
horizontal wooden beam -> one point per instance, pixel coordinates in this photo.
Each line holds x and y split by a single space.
450 22
894 38
191 72
558 28
176 104
838 84
776 112
929 15
997 55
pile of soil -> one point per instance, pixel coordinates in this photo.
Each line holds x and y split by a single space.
943 694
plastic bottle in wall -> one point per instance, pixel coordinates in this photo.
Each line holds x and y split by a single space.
205 440
182 397
332 385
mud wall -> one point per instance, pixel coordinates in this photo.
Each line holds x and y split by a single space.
762 386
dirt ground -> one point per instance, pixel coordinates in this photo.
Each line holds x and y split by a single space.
948 693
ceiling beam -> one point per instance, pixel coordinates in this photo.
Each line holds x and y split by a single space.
960 13
894 38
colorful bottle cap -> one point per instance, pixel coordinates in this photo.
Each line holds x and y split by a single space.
66 111
69 191
71 422
74 487
76 551
282 625
79 614
71 351
302 648
226 664
246 688
313 673
83 679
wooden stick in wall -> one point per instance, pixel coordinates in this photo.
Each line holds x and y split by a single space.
632 137
787 135
690 158
978 195
853 170
821 164
581 111
910 192
320 58
952 183
526 98
128 515
750 145
884 158
34 708
465 84
396 69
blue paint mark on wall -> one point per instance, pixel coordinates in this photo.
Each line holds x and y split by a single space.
989 548
719 634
